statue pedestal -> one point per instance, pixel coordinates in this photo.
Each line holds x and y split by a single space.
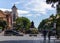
31 28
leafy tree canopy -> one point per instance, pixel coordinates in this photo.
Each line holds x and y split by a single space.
41 25
3 24
47 23
52 2
23 22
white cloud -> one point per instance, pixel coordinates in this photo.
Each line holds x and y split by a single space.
36 15
39 6
22 12
17 3
3 9
29 15
32 15
19 11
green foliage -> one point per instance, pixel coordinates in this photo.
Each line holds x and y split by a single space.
47 23
3 24
34 31
51 1
51 25
23 22
0 27
58 10
41 25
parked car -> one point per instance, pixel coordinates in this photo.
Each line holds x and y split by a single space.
12 33
33 35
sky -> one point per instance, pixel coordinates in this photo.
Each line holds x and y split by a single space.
34 10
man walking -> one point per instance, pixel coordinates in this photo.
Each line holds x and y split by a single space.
49 34
44 34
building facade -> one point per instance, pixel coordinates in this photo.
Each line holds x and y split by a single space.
9 16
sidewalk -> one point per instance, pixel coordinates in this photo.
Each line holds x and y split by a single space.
2 33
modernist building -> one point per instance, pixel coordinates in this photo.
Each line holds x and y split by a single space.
9 16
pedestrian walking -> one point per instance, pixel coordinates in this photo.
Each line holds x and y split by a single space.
44 34
49 34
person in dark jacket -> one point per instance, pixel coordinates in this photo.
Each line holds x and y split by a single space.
44 34
49 34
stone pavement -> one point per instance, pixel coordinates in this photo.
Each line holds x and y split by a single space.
30 41
24 39
2 33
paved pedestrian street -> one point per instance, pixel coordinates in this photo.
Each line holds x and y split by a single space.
30 41
27 39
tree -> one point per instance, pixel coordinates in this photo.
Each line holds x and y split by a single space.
23 23
58 25
52 1
3 24
57 20
47 23
42 24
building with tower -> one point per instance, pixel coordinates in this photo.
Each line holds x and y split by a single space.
14 13
9 16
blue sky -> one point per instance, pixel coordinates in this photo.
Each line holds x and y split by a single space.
35 10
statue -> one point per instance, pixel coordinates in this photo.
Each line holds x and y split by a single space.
32 25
